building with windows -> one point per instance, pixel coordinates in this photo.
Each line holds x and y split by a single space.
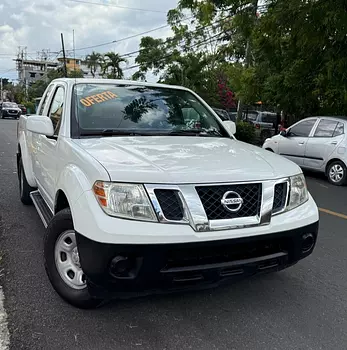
30 71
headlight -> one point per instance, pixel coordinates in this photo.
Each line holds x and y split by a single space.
298 191
128 201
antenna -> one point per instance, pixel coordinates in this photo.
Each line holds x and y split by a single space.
64 57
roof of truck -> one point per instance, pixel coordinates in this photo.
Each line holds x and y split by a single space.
72 81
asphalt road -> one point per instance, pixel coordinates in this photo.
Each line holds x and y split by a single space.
303 307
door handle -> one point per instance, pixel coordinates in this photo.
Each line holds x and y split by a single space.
333 143
301 143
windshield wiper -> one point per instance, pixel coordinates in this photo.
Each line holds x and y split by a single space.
112 132
186 132
196 132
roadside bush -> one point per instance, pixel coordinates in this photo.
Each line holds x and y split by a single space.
245 132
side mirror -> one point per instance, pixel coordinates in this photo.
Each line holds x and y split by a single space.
39 124
284 133
230 126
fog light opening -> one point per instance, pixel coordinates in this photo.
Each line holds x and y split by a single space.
121 266
307 242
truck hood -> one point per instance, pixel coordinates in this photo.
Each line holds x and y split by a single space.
182 159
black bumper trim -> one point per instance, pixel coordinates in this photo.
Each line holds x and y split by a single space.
224 265
171 267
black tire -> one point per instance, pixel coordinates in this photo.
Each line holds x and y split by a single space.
24 187
338 165
80 298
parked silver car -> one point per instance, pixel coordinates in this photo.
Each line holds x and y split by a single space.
316 143
263 122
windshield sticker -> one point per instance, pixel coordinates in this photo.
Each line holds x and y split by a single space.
98 98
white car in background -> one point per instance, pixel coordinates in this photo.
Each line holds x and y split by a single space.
316 143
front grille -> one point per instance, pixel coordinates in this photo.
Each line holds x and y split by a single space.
280 196
170 204
14 112
211 197
226 252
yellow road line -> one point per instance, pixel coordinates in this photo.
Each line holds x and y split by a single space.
327 211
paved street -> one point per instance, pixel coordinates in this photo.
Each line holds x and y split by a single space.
304 307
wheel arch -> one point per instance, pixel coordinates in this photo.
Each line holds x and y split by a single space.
23 154
61 201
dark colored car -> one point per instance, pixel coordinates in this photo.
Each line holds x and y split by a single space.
10 110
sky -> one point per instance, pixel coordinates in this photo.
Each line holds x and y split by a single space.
37 25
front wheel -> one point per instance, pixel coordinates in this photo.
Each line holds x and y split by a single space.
337 173
62 262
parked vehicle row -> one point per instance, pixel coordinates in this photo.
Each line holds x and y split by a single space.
143 188
316 143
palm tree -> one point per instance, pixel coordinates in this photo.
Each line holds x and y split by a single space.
93 62
111 66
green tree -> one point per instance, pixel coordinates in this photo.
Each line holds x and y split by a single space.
75 74
111 66
300 50
94 61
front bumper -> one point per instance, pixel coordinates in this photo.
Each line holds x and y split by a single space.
116 269
9 114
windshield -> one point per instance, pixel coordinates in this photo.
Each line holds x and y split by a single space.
251 116
269 118
9 105
121 109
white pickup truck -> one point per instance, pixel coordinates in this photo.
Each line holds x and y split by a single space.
142 188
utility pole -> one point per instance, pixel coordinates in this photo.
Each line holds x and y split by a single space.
248 55
64 57
1 89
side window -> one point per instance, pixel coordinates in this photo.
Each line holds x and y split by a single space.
44 101
325 128
56 109
339 130
302 129
269 118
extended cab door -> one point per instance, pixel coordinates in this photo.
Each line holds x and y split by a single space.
45 158
293 145
327 136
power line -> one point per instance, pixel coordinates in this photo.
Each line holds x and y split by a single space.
207 41
196 30
128 37
9 70
117 6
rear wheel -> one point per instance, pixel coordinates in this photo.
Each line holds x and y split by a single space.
337 173
62 262
24 187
